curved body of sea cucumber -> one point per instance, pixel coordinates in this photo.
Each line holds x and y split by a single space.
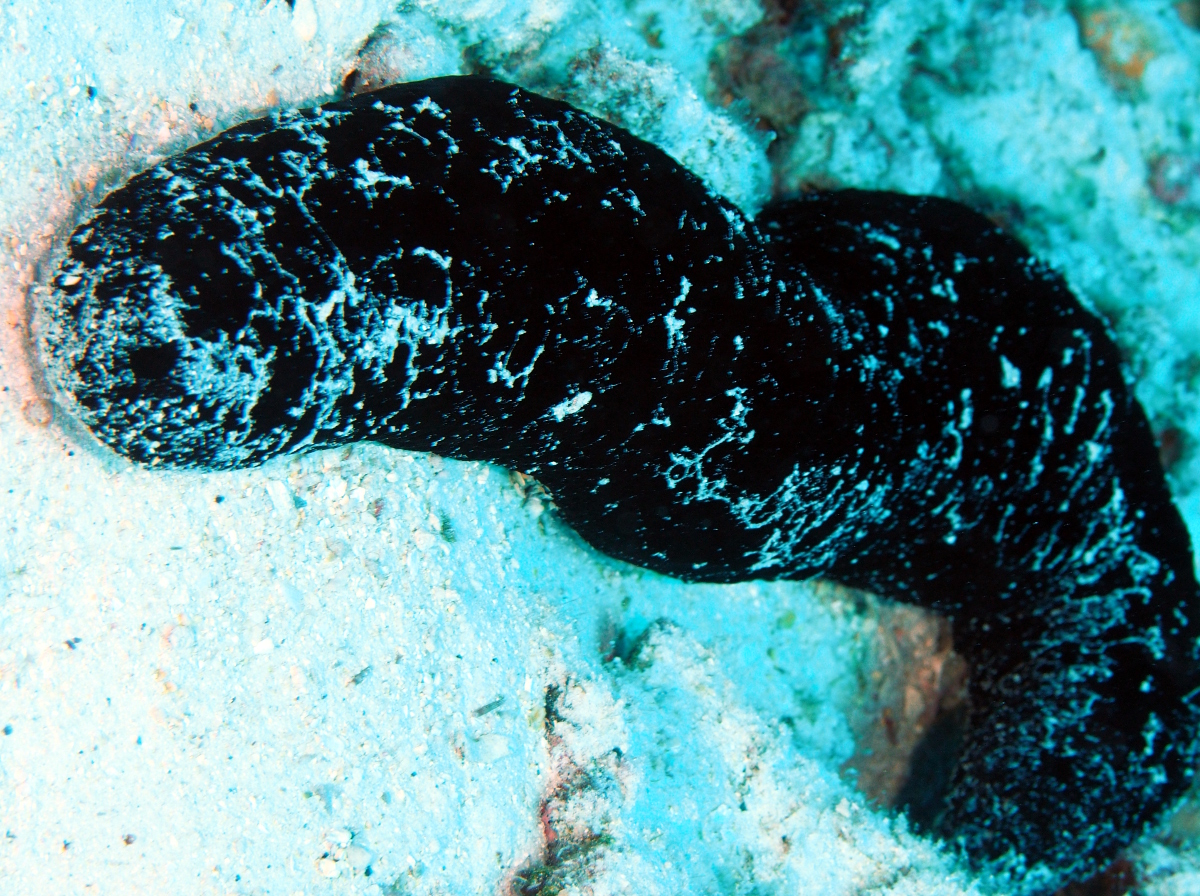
882 389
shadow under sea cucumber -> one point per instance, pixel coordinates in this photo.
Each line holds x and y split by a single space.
881 389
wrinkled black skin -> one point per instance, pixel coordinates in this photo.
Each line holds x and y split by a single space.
806 288
1012 621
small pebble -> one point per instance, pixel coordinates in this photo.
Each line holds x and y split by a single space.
339 837
37 412
492 747
304 20
281 499
358 857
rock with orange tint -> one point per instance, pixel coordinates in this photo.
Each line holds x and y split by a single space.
1175 180
917 682
1121 43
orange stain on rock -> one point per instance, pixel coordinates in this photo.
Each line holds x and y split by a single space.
1120 43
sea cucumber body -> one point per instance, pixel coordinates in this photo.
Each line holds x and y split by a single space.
881 389
1028 486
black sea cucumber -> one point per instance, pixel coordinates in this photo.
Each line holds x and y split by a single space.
881 389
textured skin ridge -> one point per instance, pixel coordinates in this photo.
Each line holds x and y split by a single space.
882 389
